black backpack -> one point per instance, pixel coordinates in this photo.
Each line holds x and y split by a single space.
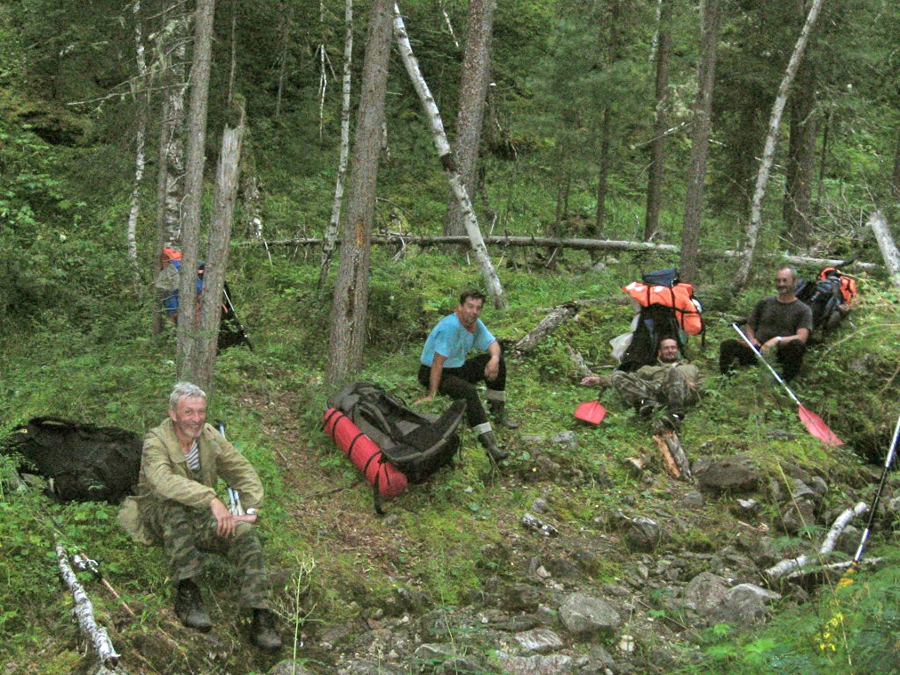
82 462
829 297
417 445
654 323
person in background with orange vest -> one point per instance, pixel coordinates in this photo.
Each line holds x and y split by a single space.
779 323
670 384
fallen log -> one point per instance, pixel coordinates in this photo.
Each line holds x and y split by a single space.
84 611
399 239
790 566
887 246
554 318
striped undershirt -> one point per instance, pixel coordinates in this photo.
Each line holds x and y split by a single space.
193 458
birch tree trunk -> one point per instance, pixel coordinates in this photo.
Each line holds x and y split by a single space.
768 158
492 281
351 289
187 310
658 146
227 173
476 75
706 79
143 102
888 248
331 232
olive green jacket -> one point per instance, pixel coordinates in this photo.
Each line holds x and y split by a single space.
165 475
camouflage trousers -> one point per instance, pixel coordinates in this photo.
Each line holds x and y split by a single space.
188 533
675 391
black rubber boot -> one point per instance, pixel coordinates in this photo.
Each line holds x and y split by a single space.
263 630
498 411
493 450
189 606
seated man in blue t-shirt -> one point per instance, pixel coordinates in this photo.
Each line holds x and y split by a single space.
444 368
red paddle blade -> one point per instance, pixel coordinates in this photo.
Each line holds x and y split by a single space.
590 411
817 427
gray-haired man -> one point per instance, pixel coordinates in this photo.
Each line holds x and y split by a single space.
177 505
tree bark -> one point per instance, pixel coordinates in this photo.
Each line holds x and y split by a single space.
706 79
331 232
351 290
476 74
887 246
658 146
895 174
762 179
143 102
227 174
492 281
84 610
170 176
403 240
801 159
187 310
603 161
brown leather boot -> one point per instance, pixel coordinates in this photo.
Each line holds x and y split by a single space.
189 606
498 411
263 630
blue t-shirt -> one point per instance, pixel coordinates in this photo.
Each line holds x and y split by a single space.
451 339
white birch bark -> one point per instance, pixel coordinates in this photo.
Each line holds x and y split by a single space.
84 610
888 248
142 97
828 544
768 158
491 280
329 241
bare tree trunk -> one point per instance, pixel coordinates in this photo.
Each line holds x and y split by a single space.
476 75
227 174
762 178
143 102
286 13
187 311
331 232
492 281
351 290
895 175
658 146
888 248
606 123
706 80
170 177
797 206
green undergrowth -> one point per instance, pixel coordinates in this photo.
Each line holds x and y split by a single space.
443 540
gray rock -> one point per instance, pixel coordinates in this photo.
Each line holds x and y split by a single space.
798 515
540 640
554 664
565 439
744 605
584 615
289 667
728 474
434 651
643 534
705 592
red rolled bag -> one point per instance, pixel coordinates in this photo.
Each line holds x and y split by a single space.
365 454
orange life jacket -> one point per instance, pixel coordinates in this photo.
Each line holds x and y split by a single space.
680 297
848 284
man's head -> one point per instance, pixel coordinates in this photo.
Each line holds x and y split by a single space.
668 350
187 408
785 278
471 303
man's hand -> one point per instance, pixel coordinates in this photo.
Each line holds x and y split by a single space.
492 369
225 521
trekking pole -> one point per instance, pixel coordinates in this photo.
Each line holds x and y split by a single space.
236 320
82 562
234 497
854 565
813 423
